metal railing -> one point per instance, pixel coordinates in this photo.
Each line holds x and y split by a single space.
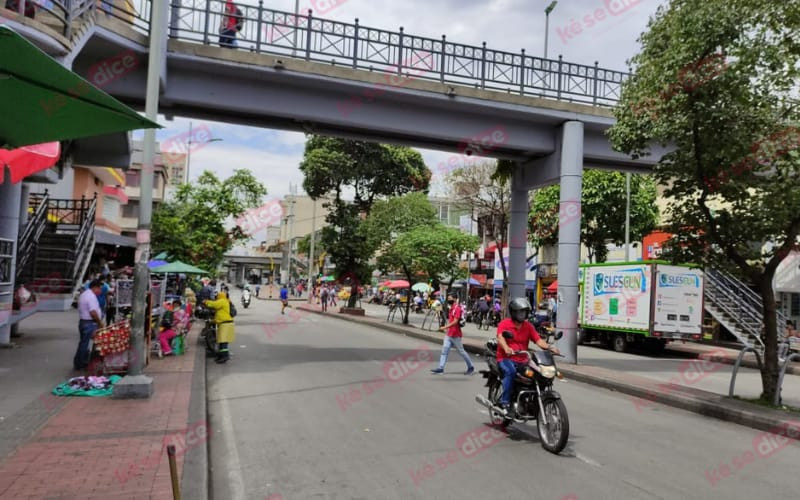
742 305
26 245
399 55
63 16
84 243
67 215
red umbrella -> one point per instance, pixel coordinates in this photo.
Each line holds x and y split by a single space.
553 287
398 284
28 160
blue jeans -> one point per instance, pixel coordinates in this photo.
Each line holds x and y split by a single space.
227 38
450 342
509 368
86 327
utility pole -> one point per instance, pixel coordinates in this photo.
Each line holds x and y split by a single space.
291 231
296 25
189 153
311 260
628 217
547 12
135 384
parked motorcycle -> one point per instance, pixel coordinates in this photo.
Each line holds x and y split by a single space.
532 397
246 298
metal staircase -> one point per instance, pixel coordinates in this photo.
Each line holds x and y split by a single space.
738 308
60 246
29 237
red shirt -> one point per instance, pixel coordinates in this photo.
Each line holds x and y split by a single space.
455 314
230 19
522 335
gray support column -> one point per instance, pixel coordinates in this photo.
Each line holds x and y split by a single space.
517 237
23 207
10 195
569 234
135 384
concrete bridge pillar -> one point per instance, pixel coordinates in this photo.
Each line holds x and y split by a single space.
569 237
518 236
10 195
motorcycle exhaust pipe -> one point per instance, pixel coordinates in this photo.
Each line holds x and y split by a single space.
482 400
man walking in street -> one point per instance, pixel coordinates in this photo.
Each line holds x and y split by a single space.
453 337
284 298
324 298
89 320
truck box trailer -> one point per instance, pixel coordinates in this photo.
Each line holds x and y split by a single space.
650 302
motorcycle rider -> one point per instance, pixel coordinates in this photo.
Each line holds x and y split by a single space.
519 310
246 296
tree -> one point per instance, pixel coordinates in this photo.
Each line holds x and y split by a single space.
434 250
372 172
716 80
191 228
304 247
603 201
486 191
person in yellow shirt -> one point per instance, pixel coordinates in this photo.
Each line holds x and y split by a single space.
225 331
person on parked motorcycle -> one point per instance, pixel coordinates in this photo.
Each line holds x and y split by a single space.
222 317
517 323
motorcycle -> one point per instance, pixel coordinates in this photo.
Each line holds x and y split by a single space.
533 397
209 331
246 298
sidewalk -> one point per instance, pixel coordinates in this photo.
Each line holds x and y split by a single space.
696 385
101 448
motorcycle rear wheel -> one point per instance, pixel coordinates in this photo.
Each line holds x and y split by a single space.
553 426
210 334
495 391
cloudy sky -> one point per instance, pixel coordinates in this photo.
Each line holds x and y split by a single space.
583 31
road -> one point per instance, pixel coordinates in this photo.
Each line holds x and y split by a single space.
320 408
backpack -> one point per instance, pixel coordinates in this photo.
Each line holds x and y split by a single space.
232 310
239 19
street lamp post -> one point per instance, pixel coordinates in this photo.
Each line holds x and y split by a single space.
547 12
189 151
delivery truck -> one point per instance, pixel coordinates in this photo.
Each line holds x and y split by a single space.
645 302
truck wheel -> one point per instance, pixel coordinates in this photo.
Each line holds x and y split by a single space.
620 342
581 337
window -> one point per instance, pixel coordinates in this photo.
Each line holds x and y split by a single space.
132 178
110 208
131 209
795 301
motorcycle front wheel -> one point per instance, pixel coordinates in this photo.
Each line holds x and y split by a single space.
553 426
211 340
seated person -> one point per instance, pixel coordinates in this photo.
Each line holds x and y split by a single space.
169 327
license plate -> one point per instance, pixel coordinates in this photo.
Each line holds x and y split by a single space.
677 336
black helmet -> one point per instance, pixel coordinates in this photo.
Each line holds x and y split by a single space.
519 309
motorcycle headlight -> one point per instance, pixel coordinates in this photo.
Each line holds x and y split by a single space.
529 372
548 371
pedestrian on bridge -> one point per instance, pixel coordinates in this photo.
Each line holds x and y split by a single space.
229 25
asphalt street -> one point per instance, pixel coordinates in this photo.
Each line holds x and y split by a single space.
312 407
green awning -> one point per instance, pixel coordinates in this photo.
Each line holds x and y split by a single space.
178 267
42 101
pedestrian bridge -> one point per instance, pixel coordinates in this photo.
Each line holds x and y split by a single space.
311 74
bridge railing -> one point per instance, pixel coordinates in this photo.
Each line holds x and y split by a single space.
63 16
391 52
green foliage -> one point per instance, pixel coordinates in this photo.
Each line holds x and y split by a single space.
718 80
191 228
603 200
304 245
434 250
372 172
395 216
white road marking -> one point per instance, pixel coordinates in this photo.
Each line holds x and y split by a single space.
235 479
587 460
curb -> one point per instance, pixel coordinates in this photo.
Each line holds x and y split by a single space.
194 478
685 398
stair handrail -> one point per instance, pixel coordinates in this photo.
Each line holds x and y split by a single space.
757 303
30 235
749 306
85 237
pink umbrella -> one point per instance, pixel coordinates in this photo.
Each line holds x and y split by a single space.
398 284
28 160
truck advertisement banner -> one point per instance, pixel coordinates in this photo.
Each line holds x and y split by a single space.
679 300
617 297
